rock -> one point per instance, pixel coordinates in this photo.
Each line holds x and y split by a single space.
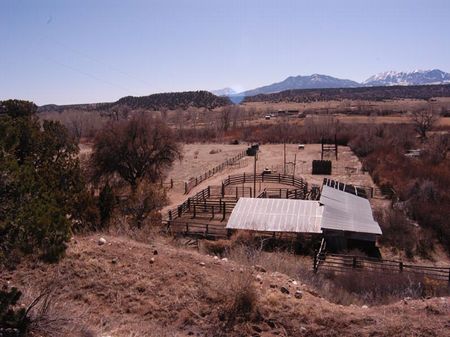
225 259
284 290
155 252
216 257
241 270
115 260
260 268
365 307
152 260
294 283
298 294
273 286
303 329
258 278
202 264
101 241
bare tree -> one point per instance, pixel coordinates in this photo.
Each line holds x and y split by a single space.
225 118
423 121
136 150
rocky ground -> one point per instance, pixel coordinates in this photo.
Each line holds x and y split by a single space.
121 287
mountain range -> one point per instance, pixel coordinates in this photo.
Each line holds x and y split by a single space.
318 81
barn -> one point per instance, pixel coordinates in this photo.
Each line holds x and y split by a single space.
342 215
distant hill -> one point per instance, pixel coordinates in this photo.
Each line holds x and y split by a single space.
362 93
170 101
175 100
314 81
416 77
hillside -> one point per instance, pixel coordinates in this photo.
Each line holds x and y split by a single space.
170 101
126 288
363 93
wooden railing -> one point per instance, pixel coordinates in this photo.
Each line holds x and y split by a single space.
269 178
340 263
189 185
198 229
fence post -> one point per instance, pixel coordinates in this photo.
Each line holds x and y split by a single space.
354 262
224 208
244 177
223 190
315 262
236 192
209 191
170 215
400 265
180 211
212 211
195 211
279 177
185 187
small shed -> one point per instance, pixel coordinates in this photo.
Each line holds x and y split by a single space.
344 218
276 215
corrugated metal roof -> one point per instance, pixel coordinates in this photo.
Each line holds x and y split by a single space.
347 212
276 215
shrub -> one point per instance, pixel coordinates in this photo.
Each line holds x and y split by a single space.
106 202
11 317
239 300
41 184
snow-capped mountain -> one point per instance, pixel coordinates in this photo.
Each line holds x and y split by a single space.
416 77
314 81
224 92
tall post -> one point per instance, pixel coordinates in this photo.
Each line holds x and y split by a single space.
284 157
295 163
254 176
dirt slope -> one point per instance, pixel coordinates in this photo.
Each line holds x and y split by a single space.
117 290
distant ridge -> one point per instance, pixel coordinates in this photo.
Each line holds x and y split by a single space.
319 81
416 77
314 81
170 101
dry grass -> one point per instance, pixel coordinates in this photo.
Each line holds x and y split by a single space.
117 290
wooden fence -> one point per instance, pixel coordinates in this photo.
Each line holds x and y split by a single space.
198 229
340 263
279 178
189 185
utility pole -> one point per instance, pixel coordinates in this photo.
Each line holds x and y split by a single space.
295 163
254 175
284 160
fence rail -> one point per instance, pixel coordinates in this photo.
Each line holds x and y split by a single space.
189 185
342 263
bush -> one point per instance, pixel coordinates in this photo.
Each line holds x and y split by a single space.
239 300
11 317
41 184
373 287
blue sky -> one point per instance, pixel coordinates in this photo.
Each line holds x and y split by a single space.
65 51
